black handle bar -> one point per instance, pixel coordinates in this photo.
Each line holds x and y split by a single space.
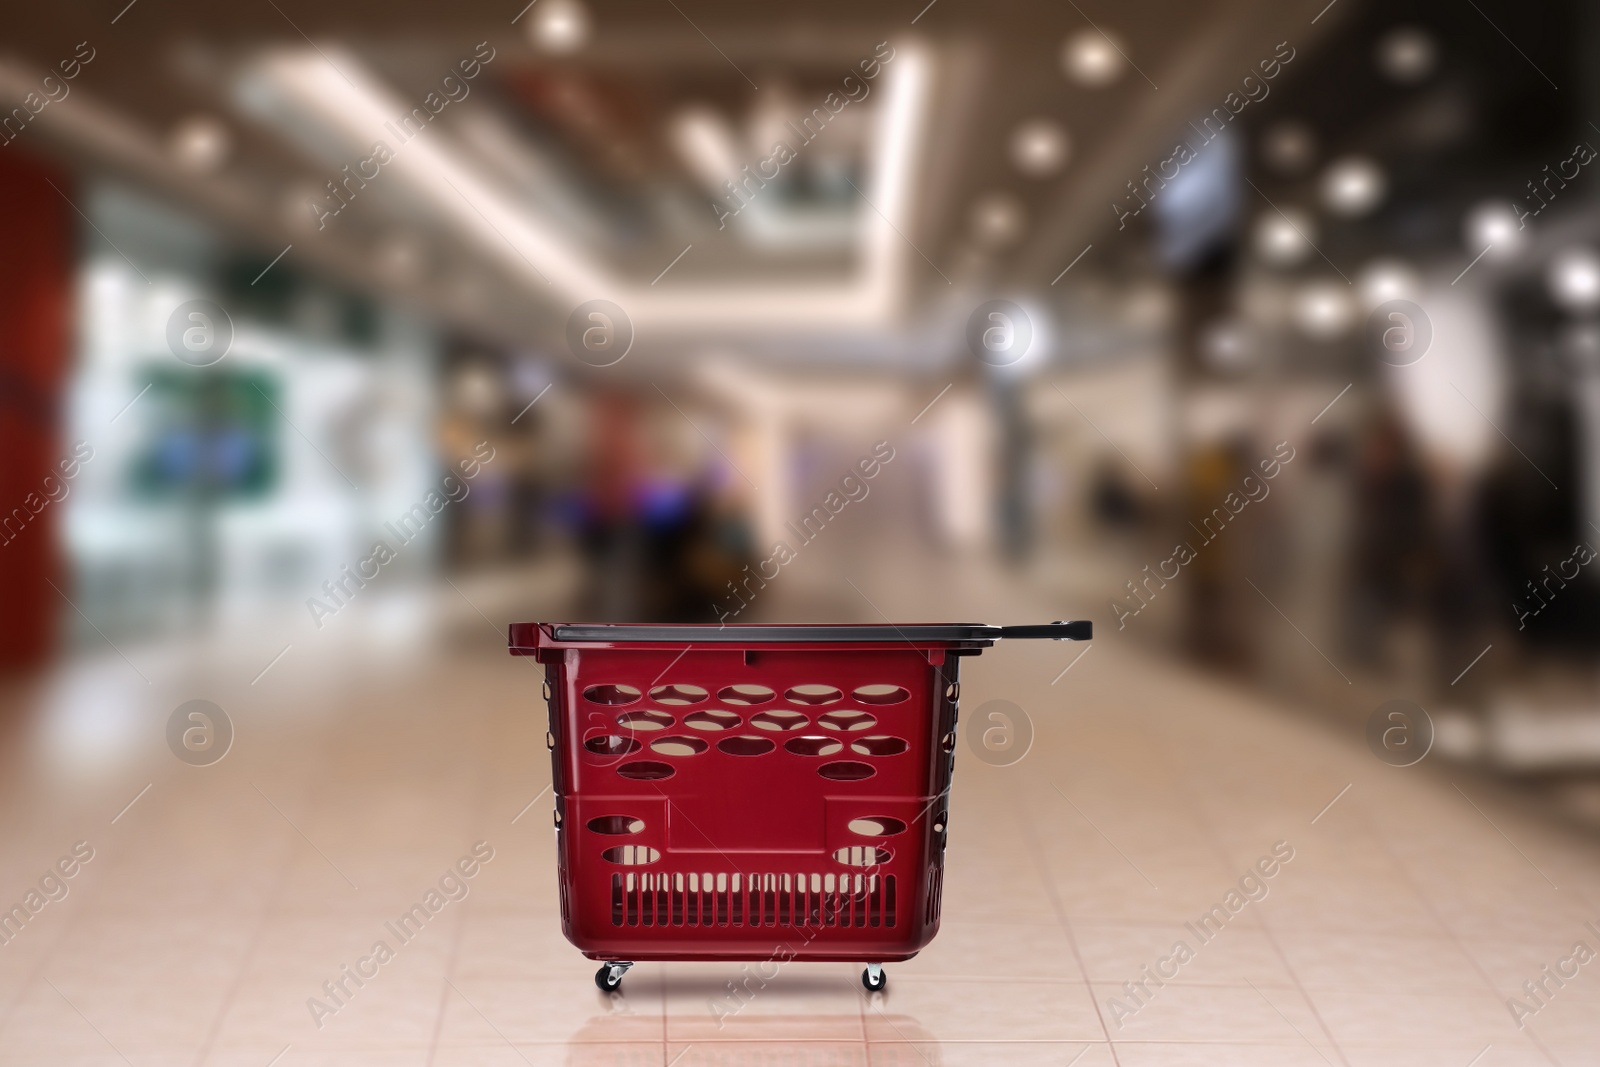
1082 630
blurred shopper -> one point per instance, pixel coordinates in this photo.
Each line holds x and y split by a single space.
1393 559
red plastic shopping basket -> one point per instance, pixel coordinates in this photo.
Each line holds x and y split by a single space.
753 792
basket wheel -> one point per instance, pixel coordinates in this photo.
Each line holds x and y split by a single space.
609 977
873 978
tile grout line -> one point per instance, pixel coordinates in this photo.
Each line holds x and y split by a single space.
1433 913
257 935
1056 905
1186 783
49 954
458 934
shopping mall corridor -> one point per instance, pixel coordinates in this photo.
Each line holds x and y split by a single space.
1387 914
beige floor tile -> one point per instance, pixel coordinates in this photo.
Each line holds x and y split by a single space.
982 1054
1003 950
1117 953
1203 1013
997 1010
710 1002
1183 1054
1391 962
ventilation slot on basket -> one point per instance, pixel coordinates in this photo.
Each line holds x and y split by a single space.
611 745
847 720
746 694
751 900
677 693
778 719
611 694
846 771
814 746
746 746
813 695
679 746
880 694
878 746
644 720
862 855
645 771
630 855
711 719
614 825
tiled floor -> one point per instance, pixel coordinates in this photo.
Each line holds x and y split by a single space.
225 896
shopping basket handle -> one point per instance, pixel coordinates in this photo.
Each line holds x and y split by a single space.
1082 630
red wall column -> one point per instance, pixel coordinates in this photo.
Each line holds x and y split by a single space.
36 254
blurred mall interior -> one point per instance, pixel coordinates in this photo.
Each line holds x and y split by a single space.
334 338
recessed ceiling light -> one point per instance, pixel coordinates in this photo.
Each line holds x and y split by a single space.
1323 310
201 143
1575 279
1092 59
1284 237
560 26
1039 148
1383 280
1353 186
1289 147
1493 227
1407 54
997 219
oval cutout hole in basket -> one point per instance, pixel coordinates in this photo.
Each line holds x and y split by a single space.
813 696
711 719
814 746
644 720
611 694
630 855
778 719
846 771
880 693
646 771
876 826
679 746
878 746
846 719
746 694
611 745
616 825
745 745
678 693
862 855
